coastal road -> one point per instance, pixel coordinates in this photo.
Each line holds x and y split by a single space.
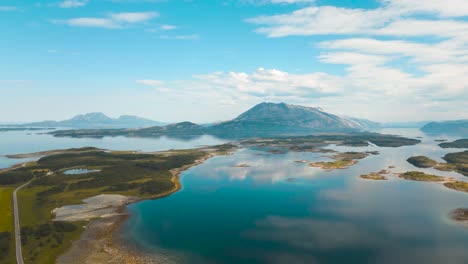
19 254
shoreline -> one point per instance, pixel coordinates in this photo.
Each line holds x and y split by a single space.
101 243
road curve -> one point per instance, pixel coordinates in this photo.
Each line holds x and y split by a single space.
19 254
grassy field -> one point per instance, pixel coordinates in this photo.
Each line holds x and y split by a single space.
125 173
6 226
6 221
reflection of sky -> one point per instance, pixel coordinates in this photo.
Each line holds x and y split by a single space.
228 214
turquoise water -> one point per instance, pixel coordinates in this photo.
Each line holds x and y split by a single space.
17 142
279 211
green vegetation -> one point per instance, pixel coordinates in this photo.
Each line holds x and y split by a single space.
421 176
422 162
127 173
456 161
6 221
457 185
460 143
338 164
43 243
377 176
6 226
460 215
352 155
7 252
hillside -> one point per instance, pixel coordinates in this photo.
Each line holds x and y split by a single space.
272 118
457 127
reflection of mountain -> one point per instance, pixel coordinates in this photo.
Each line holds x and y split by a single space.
457 127
98 120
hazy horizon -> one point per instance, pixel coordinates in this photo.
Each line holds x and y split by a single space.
382 60
206 122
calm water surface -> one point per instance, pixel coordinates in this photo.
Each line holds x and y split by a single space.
279 211
16 142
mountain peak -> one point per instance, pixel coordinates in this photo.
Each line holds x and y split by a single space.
282 118
92 117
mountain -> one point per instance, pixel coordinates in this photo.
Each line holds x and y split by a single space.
456 127
98 120
183 128
364 123
265 119
272 118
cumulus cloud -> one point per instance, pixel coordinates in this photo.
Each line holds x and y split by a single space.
385 51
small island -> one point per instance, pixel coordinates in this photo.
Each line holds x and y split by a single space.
421 176
457 162
422 162
460 215
457 185
460 143
376 176
332 165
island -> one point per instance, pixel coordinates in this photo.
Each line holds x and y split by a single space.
457 162
459 143
422 162
101 184
460 215
421 176
343 160
376 176
457 185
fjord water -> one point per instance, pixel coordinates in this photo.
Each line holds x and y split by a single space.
17 142
279 211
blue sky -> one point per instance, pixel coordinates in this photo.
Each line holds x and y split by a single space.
387 60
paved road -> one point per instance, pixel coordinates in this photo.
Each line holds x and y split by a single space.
19 254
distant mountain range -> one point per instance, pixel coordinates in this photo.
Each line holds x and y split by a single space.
265 119
98 120
456 127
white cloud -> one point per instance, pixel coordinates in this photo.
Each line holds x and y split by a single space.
181 37
73 3
149 82
7 8
446 8
264 2
134 17
386 61
389 19
113 20
453 51
167 27
91 22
